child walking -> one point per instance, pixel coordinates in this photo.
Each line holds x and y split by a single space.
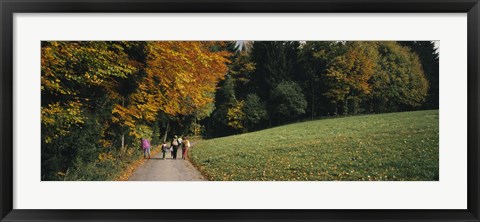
165 148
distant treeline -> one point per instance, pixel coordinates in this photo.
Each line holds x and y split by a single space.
99 98
275 82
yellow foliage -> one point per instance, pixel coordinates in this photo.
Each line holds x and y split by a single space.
180 78
61 118
105 143
105 156
236 116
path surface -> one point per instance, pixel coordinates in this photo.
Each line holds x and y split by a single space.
158 169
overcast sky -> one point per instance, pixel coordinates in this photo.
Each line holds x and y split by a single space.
437 45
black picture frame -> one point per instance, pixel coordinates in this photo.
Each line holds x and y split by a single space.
9 7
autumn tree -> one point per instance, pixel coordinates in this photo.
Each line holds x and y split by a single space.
429 58
99 97
231 91
79 85
348 75
315 58
96 94
225 99
399 83
175 72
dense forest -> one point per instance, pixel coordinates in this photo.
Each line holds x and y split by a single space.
99 98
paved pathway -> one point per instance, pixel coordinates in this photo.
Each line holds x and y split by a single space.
158 169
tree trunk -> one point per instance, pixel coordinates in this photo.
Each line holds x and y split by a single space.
123 142
196 127
123 134
355 106
313 100
166 132
336 109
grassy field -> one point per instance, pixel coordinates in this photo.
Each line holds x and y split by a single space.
394 146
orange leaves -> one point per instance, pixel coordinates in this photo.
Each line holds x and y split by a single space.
355 67
349 74
71 71
177 73
173 77
180 77
68 66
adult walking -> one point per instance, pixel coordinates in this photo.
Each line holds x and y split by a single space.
146 148
174 145
180 141
186 146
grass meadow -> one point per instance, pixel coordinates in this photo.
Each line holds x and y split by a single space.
381 147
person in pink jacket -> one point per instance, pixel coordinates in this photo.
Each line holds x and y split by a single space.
146 148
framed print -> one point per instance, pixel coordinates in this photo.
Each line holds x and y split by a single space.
239 110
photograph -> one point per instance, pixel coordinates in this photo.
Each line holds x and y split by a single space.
206 110
246 110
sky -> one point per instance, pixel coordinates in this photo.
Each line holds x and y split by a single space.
436 43
437 46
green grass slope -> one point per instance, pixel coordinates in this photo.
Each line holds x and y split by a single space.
394 146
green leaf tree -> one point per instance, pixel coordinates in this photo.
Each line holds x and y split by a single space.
288 101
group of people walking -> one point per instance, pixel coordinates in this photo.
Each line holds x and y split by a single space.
177 143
